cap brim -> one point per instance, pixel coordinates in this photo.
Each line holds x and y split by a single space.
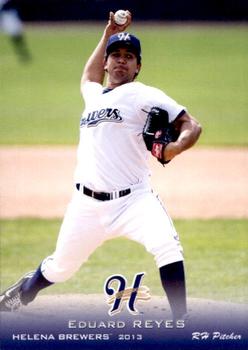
119 44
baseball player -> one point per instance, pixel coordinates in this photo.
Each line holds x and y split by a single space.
11 24
113 195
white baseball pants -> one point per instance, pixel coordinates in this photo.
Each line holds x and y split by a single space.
88 223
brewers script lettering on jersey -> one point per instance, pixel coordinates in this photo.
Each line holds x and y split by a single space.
113 196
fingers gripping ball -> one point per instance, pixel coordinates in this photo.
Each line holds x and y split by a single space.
158 132
120 17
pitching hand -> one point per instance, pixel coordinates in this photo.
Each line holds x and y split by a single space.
113 28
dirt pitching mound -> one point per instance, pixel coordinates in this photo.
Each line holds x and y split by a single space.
94 306
200 183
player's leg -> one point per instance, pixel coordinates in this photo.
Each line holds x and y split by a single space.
13 27
149 224
173 281
168 254
20 45
79 236
32 286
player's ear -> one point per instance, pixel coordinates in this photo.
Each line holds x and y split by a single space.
105 64
138 68
137 71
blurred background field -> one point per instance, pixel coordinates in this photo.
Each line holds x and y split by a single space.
203 67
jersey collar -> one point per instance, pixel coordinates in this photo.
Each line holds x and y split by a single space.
105 90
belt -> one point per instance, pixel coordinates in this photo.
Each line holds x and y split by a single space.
102 196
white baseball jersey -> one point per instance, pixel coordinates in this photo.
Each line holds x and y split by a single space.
112 154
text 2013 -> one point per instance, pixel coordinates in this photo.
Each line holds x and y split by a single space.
128 336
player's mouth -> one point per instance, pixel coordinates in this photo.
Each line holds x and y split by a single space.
121 68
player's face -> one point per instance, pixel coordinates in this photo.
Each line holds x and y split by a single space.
122 66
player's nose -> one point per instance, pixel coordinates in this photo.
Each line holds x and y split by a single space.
122 59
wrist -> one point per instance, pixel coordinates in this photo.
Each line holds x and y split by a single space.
178 147
107 33
171 150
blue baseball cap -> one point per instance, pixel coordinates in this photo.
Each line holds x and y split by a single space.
124 39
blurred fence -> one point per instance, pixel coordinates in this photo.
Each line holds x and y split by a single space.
56 10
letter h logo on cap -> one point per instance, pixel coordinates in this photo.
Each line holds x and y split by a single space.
124 36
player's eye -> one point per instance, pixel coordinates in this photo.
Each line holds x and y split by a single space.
115 54
130 56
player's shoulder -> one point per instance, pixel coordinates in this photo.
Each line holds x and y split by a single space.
148 90
90 85
90 90
140 88
131 89
145 95
133 86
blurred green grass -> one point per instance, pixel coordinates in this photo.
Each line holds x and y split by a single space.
215 258
203 67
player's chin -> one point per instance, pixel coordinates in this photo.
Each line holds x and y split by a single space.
121 78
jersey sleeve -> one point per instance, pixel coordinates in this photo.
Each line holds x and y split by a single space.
90 91
157 98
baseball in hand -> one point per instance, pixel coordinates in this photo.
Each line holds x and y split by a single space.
120 17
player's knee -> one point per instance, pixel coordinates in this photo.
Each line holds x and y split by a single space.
164 256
